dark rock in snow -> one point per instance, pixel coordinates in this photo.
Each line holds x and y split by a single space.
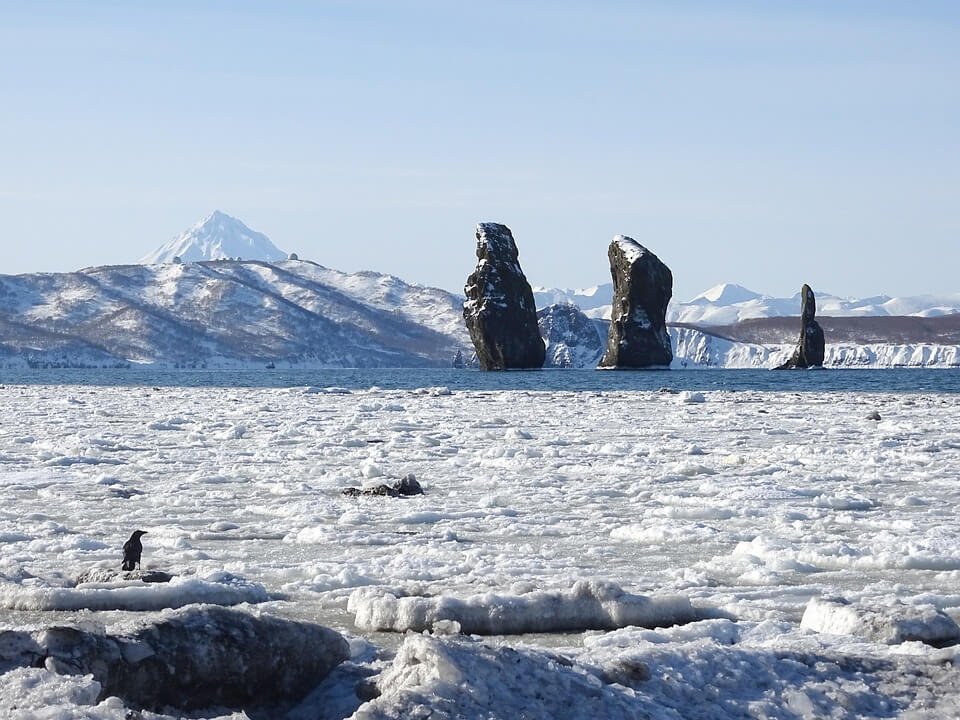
874 415
125 493
571 337
405 487
191 659
500 312
810 346
642 288
409 485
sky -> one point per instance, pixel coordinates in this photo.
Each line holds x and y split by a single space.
766 144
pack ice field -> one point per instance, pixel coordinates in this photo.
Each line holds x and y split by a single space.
755 524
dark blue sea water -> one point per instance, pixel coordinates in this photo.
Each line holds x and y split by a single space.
892 380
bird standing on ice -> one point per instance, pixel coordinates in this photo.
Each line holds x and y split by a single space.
132 549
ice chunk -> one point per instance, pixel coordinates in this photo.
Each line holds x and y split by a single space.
58 695
592 605
460 678
196 658
889 624
218 589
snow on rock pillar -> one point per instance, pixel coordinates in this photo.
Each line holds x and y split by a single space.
642 288
810 346
500 311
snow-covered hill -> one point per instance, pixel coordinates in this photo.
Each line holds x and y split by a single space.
217 237
598 296
728 303
227 313
572 339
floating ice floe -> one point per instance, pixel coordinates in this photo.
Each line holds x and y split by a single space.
315 390
592 605
216 589
889 624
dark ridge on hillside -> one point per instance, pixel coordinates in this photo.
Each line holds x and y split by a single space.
891 329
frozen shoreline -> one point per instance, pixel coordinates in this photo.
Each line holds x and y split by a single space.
749 504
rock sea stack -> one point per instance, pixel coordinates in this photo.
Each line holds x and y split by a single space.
810 346
642 288
500 311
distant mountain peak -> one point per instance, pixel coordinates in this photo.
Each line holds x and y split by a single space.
218 236
726 294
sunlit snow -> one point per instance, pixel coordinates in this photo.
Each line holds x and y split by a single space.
747 505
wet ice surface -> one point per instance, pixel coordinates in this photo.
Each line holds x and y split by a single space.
748 503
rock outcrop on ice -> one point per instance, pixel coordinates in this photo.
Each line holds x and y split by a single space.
406 486
642 287
500 312
196 658
587 605
571 337
810 346
889 624
217 237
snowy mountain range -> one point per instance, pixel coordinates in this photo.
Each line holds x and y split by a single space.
727 303
192 303
217 237
227 314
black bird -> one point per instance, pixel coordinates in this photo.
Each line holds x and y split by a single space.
132 550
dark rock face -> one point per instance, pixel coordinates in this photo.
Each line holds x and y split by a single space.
405 487
571 337
192 659
500 312
810 346
458 360
642 287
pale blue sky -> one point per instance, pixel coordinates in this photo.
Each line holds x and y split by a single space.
768 144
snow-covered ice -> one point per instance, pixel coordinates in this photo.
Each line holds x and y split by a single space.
586 606
747 504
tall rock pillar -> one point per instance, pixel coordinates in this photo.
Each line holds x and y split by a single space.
500 311
642 288
810 346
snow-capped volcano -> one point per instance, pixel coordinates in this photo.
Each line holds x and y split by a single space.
217 237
